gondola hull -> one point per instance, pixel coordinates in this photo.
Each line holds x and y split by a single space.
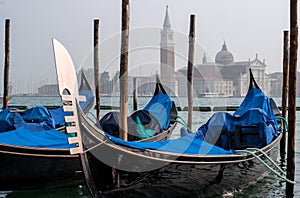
191 180
28 168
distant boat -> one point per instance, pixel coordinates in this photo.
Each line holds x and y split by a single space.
212 95
1 98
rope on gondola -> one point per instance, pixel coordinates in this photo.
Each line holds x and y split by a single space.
285 122
265 164
181 121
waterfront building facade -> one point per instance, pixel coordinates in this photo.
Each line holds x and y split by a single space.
226 77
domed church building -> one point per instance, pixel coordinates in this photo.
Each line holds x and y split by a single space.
238 71
226 77
224 56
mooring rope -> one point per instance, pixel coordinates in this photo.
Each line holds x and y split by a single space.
266 165
95 146
274 163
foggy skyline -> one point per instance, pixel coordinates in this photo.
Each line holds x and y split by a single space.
249 27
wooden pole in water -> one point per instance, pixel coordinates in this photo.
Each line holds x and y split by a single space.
96 66
6 63
190 72
124 71
292 96
135 94
285 65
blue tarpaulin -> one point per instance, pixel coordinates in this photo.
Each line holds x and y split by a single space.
160 106
58 115
255 110
185 145
41 139
255 98
6 119
37 114
155 118
33 127
35 119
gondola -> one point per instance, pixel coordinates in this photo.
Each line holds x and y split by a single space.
229 151
32 157
38 162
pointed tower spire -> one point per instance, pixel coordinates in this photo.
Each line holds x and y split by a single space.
224 47
204 59
167 23
167 56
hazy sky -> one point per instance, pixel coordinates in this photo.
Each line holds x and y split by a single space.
247 26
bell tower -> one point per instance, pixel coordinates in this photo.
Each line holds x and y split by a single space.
167 59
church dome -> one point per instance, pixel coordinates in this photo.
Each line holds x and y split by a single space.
224 57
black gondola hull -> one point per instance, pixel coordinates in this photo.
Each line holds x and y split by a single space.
28 168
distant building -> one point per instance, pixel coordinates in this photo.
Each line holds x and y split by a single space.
105 84
225 77
146 85
48 90
276 83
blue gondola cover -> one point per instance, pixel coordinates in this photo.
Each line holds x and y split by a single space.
41 139
160 106
184 145
39 115
255 114
155 118
33 127
7 119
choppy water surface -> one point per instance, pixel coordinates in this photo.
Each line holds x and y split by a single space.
269 186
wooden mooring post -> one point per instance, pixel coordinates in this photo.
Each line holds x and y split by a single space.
190 72
124 71
292 96
96 67
6 63
285 66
